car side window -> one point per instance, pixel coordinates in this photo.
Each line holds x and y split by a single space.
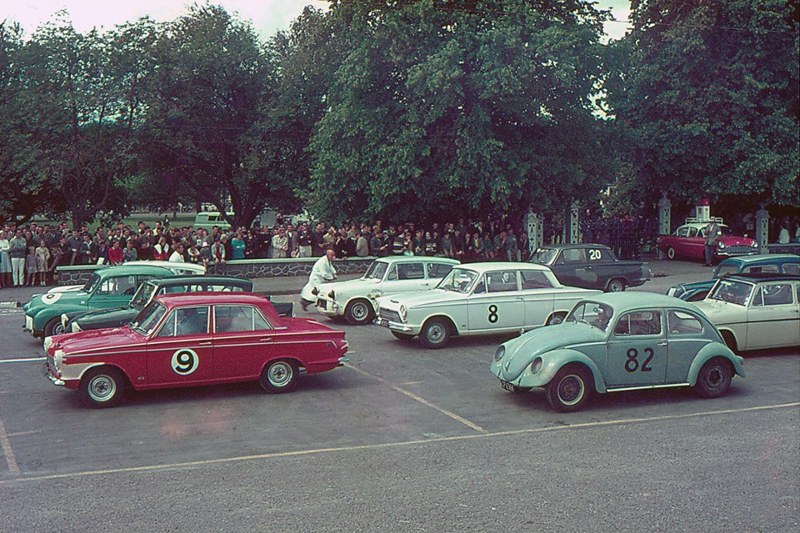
238 318
501 281
639 323
791 268
773 294
438 270
410 271
683 231
574 255
682 323
692 232
118 286
392 275
532 279
762 268
185 321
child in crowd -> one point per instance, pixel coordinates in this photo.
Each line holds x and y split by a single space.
42 262
30 267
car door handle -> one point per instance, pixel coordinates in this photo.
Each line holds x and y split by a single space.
662 343
265 339
204 343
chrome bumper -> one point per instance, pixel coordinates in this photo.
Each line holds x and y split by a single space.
396 326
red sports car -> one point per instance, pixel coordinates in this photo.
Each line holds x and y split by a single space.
194 339
689 240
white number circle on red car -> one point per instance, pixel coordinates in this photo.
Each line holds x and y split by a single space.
185 361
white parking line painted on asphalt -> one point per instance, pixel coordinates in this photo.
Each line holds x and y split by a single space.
388 445
421 400
8 453
24 360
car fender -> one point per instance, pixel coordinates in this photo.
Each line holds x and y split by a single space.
554 361
710 351
44 315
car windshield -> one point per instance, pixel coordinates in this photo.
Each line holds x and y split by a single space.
92 284
143 295
147 320
543 256
458 280
731 291
376 270
725 270
595 314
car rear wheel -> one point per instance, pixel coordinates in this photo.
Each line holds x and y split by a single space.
670 253
570 389
435 334
54 327
359 312
402 336
615 285
279 376
102 387
714 379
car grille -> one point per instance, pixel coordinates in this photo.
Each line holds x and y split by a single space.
322 303
391 316
742 249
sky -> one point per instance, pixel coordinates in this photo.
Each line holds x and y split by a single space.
267 16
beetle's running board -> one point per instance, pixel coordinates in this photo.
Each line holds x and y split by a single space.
646 387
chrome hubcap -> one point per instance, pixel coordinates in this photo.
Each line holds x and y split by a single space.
570 390
280 374
101 388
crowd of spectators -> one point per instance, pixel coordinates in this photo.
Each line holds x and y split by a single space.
31 253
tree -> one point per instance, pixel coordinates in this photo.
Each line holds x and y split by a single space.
708 95
475 107
203 132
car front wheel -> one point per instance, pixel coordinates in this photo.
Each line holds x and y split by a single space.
570 389
102 387
435 334
714 379
279 376
670 253
359 312
54 327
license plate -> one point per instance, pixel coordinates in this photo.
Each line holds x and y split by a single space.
507 386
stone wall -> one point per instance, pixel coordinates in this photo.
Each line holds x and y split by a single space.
255 268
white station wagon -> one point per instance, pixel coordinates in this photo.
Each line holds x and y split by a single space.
356 299
481 298
755 311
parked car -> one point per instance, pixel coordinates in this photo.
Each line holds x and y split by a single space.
107 288
178 269
193 339
592 266
147 291
356 299
755 311
619 342
689 240
479 299
767 263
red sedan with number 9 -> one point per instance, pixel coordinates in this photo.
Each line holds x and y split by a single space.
194 339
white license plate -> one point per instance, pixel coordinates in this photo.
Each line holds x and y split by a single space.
507 386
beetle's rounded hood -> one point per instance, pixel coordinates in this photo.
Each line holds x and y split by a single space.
525 348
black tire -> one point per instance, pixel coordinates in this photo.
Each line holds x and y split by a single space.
405 337
435 334
670 253
359 312
555 318
53 327
615 285
569 389
714 379
102 387
730 341
279 376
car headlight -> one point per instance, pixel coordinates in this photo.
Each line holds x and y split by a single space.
332 295
754 244
403 312
58 357
536 365
721 245
499 353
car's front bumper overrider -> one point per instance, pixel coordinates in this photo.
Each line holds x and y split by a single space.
398 326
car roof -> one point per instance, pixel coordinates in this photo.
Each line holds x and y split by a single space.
183 280
128 270
763 276
487 266
194 298
405 258
621 301
573 246
763 258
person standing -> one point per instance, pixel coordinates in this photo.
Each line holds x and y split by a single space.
177 254
5 259
17 248
712 237
304 240
322 272
280 244
237 246
42 262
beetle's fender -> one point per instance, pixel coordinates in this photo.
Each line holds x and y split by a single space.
710 351
552 362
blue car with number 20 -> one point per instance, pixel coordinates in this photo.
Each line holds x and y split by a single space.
619 342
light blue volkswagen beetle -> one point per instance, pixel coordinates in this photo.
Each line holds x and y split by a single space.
619 342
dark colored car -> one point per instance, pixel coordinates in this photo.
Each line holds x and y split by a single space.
112 318
591 266
756 264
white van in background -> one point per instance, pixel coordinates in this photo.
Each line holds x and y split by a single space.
209 219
